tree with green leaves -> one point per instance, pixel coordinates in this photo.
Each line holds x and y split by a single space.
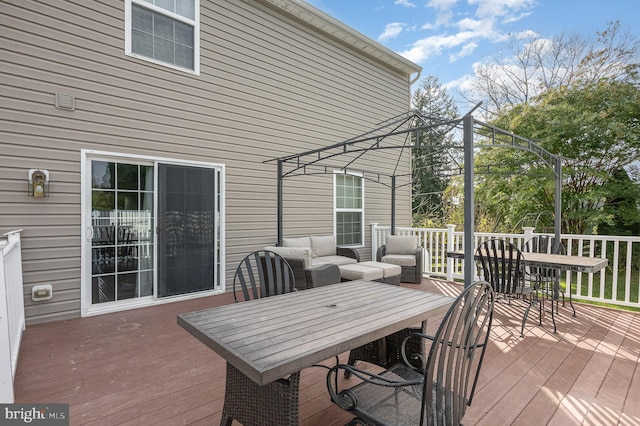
595 127
432 160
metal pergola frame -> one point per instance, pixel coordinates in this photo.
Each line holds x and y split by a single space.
316 161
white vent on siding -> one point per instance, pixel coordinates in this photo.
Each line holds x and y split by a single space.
65 101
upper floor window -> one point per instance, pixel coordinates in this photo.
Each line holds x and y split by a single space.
349 209
166 32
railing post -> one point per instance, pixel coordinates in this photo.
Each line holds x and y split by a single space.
12 321
450 230
374 240
528 234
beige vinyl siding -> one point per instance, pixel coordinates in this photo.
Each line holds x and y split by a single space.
269 86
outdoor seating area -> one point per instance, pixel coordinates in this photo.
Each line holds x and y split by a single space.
586 372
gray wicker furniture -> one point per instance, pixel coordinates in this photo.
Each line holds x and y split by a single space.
261 274
431 388
371 271
502 264
403 250
315 259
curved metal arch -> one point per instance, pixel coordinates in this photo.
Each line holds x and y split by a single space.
525 144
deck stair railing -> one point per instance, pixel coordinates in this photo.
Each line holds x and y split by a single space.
617 284
12 322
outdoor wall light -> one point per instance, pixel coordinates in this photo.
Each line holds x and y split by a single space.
38 183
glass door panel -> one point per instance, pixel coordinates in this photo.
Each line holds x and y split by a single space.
122 222
187 222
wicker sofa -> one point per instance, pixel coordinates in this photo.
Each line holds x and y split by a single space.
315 260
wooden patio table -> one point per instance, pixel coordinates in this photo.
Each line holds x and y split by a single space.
273 337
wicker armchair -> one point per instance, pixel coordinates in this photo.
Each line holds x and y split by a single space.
404 251
431 388
261 274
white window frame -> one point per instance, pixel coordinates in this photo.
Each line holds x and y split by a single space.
196 33
86 306
337 210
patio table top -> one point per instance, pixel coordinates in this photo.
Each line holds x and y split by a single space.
273 337
555 261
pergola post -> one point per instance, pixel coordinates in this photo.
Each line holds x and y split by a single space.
393 205
557 222
469 262
280 204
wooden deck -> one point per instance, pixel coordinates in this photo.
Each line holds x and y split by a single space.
140 368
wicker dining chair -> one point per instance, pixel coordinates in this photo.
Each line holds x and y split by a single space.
437 391
261 274
501 263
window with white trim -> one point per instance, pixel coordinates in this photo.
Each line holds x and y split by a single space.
349 209
166 32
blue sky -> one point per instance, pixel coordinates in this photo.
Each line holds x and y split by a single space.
446 37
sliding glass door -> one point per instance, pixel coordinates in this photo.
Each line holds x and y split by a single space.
154 230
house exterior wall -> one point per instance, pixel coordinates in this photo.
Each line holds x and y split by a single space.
270 85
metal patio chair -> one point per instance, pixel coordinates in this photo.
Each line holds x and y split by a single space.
437 391
502 265
261 274
549 276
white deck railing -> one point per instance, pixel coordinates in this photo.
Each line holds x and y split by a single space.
618 283
12 321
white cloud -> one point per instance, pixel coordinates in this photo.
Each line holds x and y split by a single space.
406 3
434 45
442 5
391 30
473 28
500 8
466 50
468 24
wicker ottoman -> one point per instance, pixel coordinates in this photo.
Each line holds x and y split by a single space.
372 271
390 272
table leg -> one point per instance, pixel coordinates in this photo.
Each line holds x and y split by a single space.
274 404
570 300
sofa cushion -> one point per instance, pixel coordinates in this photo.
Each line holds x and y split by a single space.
296 242
336 260
400 259
323 245
298 253
401 244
